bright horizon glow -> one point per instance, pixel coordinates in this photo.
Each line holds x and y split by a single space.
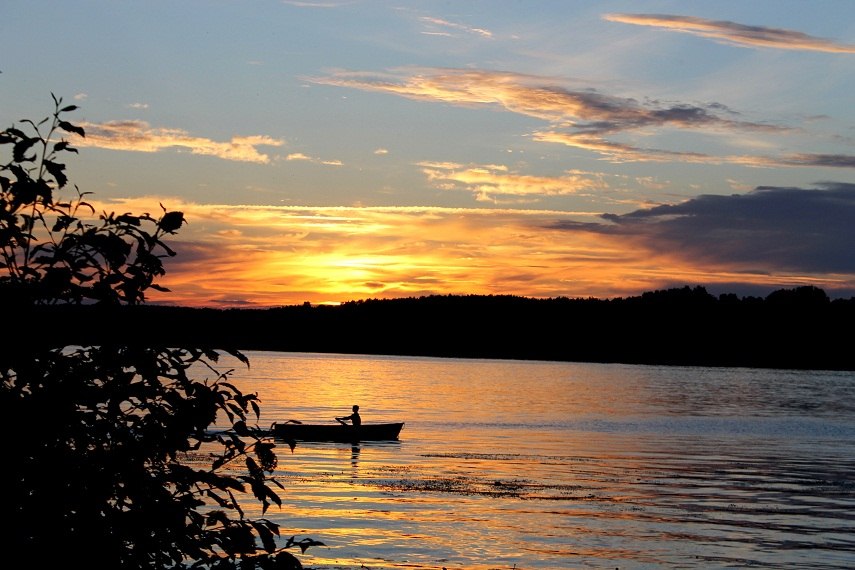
329 152
287 255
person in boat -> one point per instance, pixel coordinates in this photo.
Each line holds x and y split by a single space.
353 418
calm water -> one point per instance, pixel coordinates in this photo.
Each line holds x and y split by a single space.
544 465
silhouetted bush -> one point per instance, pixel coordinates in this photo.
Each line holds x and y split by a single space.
101 413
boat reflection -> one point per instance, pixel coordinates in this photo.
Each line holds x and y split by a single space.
354 460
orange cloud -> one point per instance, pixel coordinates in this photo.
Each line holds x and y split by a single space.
267 256
138 136
733 33
493 183
619 152
299 156
586 110
581 118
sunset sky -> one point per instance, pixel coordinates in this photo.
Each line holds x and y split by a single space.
328 151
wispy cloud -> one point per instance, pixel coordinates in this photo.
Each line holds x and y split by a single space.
447 25
621 152
585 110
139 136
734 33
827 160
582 118
495 184
299 156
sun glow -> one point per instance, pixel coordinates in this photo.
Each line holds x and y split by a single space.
274 256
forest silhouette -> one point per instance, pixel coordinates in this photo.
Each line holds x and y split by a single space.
797 328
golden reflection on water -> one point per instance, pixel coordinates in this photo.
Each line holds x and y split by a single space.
551 466
314 387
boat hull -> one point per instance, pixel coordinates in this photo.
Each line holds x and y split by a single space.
338 432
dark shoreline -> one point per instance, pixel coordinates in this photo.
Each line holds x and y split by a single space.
790 329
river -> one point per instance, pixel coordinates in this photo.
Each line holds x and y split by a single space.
552 465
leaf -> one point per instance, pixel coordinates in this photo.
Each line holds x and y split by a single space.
169 251
217 517
307 542
219 500
44 190
303 544
239 355
56 170
68 108
271 494
62 223
171 222
240 428
21 174
21 148
266 535
265 454
129 219
69 128
24 192
18 134
64 145
287 561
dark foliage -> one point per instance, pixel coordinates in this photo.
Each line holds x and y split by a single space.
99 428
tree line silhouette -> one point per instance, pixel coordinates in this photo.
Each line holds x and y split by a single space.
790 328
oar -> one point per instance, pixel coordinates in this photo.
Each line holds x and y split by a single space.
273 425
286 422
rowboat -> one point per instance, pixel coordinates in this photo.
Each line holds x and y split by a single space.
344 433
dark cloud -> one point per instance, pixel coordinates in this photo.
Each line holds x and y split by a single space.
589 119
190 255
735 33
769 229
828 160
